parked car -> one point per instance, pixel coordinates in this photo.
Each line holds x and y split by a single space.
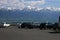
49 25
42 26
26 25
1 26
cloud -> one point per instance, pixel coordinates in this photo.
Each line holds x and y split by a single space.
3 1
20 3
16 4
35 3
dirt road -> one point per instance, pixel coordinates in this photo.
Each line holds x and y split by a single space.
27 34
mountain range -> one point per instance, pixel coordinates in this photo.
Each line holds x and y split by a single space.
30 15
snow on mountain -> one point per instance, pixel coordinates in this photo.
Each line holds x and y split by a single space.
32 8
47 8
27 14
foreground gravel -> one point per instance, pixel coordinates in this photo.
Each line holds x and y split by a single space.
27 34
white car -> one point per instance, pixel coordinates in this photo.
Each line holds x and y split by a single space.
6 25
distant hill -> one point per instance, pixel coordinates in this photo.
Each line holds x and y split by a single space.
27 15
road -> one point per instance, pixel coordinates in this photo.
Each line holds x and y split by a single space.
27 34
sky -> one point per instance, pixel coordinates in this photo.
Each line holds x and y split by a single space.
29 3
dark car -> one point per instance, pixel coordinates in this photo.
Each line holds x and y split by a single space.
56 26
1 26
42 26
26 25
49 25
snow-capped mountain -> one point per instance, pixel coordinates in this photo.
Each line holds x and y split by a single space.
29 14
32 8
